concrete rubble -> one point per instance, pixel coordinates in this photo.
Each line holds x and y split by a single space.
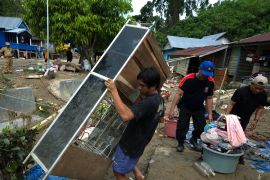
63 89
16 108
18 100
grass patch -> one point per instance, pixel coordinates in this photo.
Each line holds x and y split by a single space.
5 83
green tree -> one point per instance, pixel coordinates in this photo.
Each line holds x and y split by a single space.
147 16
10 8
172 9
239 18
87 24
147 12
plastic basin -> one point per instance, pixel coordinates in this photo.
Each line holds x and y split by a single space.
221 162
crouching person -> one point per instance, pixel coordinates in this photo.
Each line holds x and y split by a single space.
143 118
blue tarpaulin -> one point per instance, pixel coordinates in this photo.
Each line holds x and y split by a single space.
36 173
264 153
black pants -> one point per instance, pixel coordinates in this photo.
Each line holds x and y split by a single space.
183 124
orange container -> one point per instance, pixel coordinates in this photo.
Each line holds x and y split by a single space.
170 128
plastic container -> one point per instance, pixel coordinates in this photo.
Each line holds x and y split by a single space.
201 169
220 162
86 64
170 128
208 168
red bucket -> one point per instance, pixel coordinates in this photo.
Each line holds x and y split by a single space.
170 128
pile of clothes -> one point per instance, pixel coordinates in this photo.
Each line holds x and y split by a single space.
224 135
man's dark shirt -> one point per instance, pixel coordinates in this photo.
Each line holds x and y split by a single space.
141 129
69 56
195 92
247 103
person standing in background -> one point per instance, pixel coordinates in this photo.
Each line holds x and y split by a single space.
8 62
46 55
69 55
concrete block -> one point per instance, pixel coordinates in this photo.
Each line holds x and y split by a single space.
20 100
64 89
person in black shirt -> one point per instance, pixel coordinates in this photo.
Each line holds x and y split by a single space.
143 118
248 99
195 88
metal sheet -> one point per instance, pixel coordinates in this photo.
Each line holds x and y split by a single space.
70 120
120 51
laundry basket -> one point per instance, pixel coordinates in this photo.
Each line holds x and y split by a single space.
221 162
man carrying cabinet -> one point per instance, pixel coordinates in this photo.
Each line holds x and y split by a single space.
142 118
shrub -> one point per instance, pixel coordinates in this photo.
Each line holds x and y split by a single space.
15 145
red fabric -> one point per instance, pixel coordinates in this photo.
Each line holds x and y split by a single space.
189 76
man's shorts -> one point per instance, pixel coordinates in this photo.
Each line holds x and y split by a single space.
122 163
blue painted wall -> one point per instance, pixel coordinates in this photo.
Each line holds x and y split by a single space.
167 52
25 47
2 39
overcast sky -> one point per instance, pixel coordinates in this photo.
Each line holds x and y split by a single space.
138 4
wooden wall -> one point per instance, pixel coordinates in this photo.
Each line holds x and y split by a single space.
233 61
147 55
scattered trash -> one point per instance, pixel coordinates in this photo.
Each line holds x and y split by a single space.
165 93
208 168
201 169
86 65
40 108
267 107
224 106
50 73
34 76
62 68
40 67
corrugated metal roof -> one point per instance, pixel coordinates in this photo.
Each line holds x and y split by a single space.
257 38
198 52
184 42
214 36
10 22
17 30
